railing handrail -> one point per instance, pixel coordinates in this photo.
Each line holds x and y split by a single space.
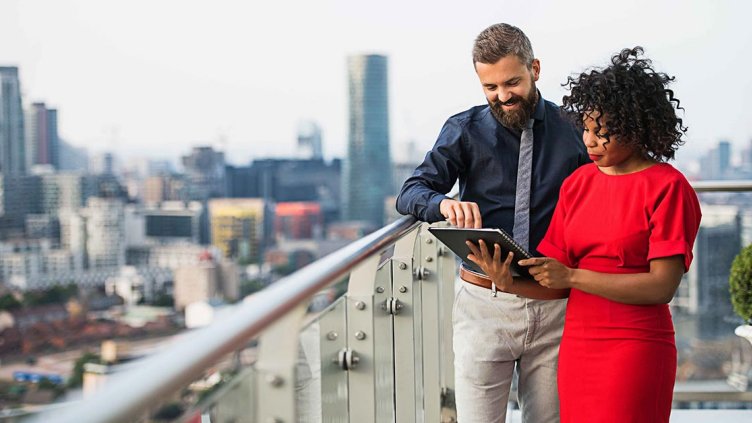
129 394
738 185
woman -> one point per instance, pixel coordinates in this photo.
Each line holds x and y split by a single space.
620 238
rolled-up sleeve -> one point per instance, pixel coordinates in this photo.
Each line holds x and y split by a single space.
674 223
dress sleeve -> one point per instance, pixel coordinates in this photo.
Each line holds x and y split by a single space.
674 223
554 243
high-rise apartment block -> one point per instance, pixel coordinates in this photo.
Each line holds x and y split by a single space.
368 175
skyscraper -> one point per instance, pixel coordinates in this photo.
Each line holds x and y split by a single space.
367 178
12 157
42 142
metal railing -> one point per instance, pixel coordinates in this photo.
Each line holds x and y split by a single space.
382 352
128 395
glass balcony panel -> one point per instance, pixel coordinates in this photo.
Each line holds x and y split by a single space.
713 363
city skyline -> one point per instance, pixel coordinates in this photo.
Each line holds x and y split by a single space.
240 78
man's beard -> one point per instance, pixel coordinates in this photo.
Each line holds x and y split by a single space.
517 118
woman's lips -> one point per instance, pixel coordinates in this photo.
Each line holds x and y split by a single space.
594 157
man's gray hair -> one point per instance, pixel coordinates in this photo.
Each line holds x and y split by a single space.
500 40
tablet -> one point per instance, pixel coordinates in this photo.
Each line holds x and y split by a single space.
455 238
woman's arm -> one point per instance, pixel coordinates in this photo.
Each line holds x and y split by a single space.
501 275
654 287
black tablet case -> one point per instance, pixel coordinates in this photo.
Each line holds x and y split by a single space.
455 238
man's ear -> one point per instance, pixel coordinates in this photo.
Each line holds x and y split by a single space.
535 69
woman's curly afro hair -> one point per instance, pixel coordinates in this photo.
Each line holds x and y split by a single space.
630 101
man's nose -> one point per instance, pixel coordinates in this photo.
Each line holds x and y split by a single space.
503 96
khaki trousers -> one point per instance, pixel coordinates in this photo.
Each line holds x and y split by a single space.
493 336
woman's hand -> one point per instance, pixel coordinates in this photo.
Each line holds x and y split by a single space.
492 265
549 272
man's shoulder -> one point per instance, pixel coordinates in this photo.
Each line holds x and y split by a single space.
469 116
556 113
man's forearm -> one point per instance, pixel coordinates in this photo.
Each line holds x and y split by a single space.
420 201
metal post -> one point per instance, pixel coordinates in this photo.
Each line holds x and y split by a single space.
359 356
447 275
431 320
333 339
407 338
277 359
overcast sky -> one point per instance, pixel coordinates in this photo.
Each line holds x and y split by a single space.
157 77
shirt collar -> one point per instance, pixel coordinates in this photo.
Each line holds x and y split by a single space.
540 108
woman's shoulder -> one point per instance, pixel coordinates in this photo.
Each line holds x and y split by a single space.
668 175
582 173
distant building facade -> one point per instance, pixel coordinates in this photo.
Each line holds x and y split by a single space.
205 174
237 227
205 281
298 220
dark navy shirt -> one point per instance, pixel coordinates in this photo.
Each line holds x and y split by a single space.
474 147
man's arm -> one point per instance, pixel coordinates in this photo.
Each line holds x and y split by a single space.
422 193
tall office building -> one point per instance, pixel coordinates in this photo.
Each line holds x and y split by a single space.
368 173
42 141
12 157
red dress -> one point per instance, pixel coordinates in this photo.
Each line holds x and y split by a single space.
617 362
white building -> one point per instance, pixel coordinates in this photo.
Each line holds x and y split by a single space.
105 233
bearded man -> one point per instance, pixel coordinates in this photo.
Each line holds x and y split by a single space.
511 157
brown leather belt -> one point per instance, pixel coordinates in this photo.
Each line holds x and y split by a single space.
475 278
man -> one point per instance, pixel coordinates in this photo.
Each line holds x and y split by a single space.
511 157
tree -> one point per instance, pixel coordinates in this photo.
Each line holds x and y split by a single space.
56 295
9 302
740 284
77 376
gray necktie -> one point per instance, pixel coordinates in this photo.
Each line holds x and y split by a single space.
521 230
